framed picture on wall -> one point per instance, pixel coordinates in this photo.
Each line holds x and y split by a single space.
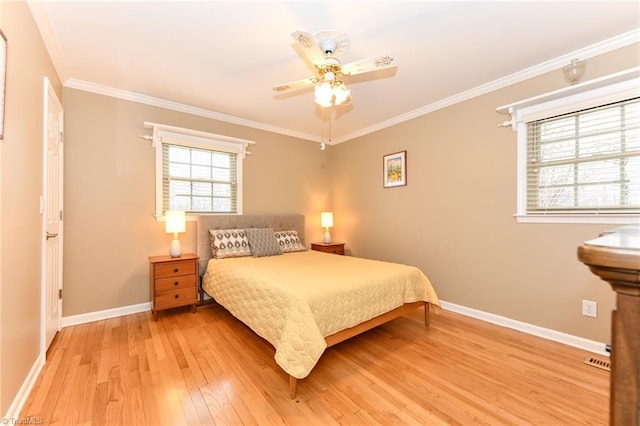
395 169
3 79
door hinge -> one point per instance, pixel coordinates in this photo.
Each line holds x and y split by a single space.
60 215
59 293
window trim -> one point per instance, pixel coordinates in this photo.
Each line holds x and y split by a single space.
165 134
608 89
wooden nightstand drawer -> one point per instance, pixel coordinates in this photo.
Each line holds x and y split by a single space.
333 248
171 299
175 268
175 283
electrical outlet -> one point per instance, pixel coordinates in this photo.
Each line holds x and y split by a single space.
589 308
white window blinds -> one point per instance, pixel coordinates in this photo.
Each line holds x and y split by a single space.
199 180
586 161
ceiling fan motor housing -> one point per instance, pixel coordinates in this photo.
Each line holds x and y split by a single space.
332 43
328 46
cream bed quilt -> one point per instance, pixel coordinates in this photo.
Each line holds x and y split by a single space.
296 299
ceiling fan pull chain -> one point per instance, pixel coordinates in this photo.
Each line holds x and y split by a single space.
330 121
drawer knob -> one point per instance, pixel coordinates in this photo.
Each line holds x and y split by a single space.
176 283
176 296
175 270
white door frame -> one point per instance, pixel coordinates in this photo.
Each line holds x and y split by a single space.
50 94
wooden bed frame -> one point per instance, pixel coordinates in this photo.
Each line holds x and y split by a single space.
285 223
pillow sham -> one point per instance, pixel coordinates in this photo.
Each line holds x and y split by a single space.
263 242
289 241
229 243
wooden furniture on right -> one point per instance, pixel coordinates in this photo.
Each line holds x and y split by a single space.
334 248
173 282
615 257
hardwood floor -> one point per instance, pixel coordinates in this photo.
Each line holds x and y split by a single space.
208 368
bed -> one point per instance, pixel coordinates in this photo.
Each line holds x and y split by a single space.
303 301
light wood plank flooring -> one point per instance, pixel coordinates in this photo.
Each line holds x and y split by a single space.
208 368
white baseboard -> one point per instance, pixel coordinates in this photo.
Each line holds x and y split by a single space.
13 413
546 333
106 314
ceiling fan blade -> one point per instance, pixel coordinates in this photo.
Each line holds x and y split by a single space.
309 47
370 64
294 85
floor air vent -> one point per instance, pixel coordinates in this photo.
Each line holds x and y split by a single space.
597 362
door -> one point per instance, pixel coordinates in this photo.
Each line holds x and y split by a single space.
52 215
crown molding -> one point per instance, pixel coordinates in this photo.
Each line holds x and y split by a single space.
48 37
600 48
179 107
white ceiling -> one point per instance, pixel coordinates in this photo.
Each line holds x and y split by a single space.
221 58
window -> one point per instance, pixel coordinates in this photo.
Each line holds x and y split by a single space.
579 153
197 172
199 180
585 161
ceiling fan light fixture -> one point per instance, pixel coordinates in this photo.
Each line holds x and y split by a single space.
332 93
342 94
324 94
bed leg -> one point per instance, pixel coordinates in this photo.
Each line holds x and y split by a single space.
200 290
426 314
293 385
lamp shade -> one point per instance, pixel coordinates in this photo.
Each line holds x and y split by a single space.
326 219
174 221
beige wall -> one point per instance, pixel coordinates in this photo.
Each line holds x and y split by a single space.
21 187
455 220
109 194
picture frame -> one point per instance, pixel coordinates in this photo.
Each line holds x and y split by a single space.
394 169
3 80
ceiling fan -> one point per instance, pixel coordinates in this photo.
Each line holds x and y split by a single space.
323 50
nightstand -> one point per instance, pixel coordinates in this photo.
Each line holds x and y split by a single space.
173 282
334 248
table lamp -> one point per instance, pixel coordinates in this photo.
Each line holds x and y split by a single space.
326 221
175 222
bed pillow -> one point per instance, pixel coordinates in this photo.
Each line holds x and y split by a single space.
263 242
229 243
289 241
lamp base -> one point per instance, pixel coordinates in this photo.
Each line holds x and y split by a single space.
176 249
327 236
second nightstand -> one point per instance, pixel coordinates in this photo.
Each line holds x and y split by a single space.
173 282
335 248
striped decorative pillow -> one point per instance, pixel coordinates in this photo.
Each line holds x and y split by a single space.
263 242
